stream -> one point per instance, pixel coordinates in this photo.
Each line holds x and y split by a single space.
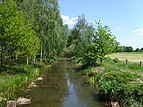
62 87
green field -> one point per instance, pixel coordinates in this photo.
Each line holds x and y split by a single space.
131 56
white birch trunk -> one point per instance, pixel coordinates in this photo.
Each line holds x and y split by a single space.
41 53
27 60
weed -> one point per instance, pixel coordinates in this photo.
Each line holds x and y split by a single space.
118 82
11 84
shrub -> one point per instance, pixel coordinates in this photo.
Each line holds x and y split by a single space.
116 60
118 86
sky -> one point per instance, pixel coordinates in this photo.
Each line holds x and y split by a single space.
124 17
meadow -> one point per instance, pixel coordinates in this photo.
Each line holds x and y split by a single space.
130 56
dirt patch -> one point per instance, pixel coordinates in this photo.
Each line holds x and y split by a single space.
97 69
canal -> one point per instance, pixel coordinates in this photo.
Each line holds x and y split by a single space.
62 87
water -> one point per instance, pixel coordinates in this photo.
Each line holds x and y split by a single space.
62 87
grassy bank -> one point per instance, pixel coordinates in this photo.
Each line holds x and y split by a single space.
116 81
11 85
131 56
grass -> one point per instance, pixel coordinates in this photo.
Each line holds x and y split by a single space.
117 81
11 85
131 56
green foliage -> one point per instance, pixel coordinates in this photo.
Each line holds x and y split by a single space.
17 37
137 50
51 31
90 56
30 28
120 82
126 49
109 83
116 60
119 86
104 40
117 82
91 43
11 85
80 39
121 77
70 51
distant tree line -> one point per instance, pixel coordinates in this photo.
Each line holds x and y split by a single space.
128 49
138 50
124 49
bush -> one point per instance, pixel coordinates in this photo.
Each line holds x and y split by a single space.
116 60
119 86
133 93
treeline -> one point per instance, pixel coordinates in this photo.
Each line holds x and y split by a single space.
30 30
124 49
139 50
128 49
88 43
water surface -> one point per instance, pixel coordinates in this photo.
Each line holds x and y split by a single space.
62 87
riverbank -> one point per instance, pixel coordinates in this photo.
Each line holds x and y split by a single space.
14 85
117 82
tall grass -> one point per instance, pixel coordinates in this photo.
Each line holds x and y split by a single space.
118 82
131 67
11 84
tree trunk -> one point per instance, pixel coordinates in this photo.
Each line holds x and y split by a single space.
41 53
101 60
27 60
1 60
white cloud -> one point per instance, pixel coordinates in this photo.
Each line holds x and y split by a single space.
69 20
138 31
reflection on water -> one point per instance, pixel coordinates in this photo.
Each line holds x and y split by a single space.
71 99
79 94
62 87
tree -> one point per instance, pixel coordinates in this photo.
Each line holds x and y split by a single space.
91 55
17 37
119 49
137 50
104 41
53 30
24 24
47 22
80 41
76 37
128 49
91 43
141 49
84 31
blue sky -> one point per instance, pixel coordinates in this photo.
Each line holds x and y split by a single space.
124 17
